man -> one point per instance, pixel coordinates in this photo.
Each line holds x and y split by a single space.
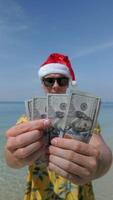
72 164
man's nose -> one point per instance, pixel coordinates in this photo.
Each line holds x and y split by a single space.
55 84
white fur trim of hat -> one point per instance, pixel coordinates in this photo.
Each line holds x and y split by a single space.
52 68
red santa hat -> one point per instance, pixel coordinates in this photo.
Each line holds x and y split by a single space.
57 63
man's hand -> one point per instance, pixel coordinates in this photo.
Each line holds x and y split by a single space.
25 143
73 160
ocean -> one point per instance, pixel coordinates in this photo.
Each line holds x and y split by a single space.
12 181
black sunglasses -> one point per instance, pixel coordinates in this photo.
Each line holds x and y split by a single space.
62 81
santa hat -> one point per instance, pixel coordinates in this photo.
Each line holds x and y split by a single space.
57 63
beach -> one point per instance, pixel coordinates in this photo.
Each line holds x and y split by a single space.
12 181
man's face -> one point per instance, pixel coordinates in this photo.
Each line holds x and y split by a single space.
55 88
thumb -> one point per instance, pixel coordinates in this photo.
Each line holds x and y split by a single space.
39 124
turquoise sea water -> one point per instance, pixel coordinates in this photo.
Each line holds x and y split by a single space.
12 181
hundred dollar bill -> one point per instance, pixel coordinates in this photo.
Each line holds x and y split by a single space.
39 108
28 108
57 107
82 115
39 112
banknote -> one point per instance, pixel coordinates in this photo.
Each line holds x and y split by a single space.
39 111
82 115
28 108
57 107
39 108
73 114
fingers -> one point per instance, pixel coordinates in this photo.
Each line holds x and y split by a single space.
25 152
81 164
74 145
69 176
29 160
73 159
23 140
67 154
81 160
28 126
68 166
71 170
28 154
26 142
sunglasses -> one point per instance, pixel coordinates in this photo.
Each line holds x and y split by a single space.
61 81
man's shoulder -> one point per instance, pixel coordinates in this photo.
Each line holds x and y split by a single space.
97 129
22 119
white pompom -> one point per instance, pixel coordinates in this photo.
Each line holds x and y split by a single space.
73 83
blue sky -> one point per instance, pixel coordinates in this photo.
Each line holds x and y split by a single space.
31 30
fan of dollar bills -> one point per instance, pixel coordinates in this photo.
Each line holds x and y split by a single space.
72 115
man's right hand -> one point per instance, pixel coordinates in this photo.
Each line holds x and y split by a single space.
25 142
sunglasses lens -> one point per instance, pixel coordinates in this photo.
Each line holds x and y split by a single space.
62 81
48 82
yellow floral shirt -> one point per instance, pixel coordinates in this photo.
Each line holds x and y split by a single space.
43 184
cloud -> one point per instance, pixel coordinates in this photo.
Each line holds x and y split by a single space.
93 49
10 9
12 17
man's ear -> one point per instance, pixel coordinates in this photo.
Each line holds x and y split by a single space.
42 85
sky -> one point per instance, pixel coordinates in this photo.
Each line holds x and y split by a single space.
31 30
